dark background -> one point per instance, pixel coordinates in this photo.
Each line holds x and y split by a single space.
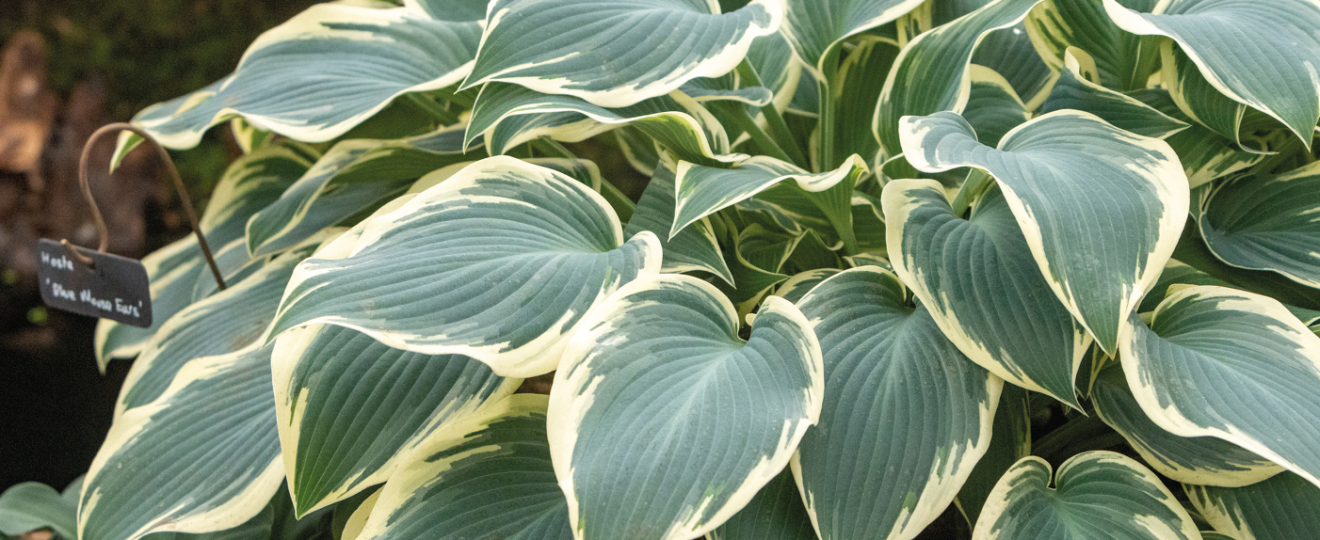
68 67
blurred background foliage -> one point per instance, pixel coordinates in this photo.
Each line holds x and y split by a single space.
104 60
147 51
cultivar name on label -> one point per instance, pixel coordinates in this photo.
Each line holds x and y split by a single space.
112 287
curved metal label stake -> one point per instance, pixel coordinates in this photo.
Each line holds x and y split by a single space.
101 284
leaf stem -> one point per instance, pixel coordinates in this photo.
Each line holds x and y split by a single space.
454 97
778 128
739 115
976 184
445 116
552 148
828 112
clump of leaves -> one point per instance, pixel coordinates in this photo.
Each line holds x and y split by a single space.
1043 260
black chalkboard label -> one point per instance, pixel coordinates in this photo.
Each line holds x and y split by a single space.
113 287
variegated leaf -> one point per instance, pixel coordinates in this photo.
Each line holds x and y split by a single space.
486 476
615 54
1123 61
1285 507
508 115
1067 175
905 418
775 513
351 177
172 272
324 71
1096 495
693 248
663 423
1074 90
1266 222
499 263
1205 155
203 456
249 184
1282 81
1196 460
1223 363
349 407
230 321
1010 441
702 190
861 78
981 285
817 28
993 108
933 72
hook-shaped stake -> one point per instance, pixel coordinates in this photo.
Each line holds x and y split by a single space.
178 186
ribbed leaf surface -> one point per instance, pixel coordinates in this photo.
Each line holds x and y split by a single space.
1266 222
203 457
499 262
1199 460
1096 495
663 423
1276 76
1285 507
1101 208
232 320
905 418
489 476
615 54
350 407
1232 365
323 72
978 279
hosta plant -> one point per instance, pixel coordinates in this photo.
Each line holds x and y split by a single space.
858 269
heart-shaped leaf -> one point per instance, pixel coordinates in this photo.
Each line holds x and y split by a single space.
499 263
905 418
1237 366
663 423
979 281
1101 208
1096 495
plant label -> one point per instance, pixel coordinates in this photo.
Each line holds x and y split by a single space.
112 287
